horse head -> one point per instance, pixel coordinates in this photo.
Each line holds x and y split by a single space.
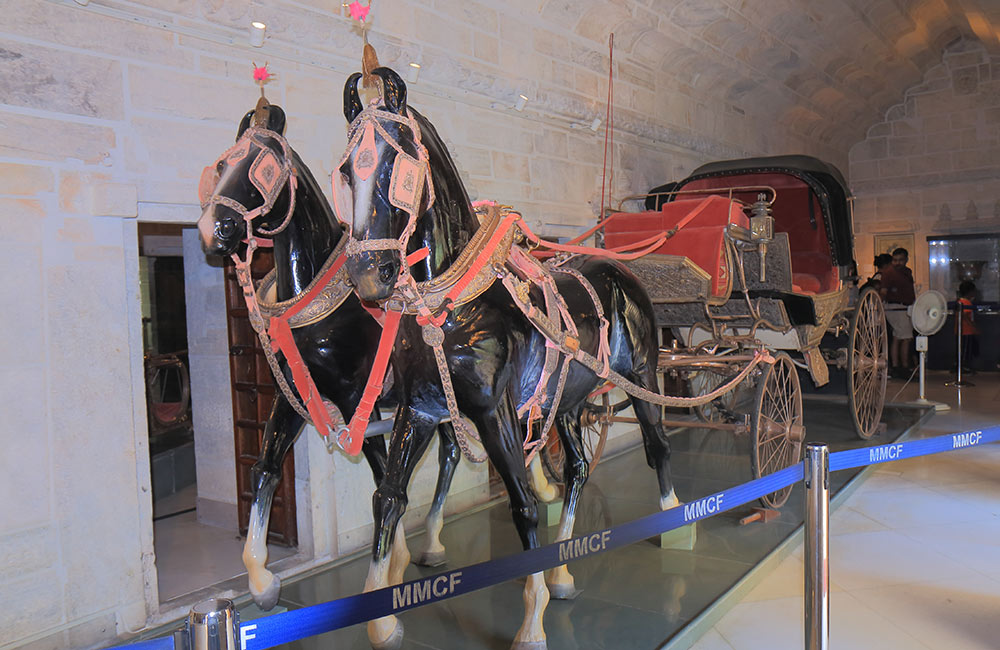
381 180
251 185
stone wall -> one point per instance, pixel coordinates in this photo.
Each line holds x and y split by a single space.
933 166
110 111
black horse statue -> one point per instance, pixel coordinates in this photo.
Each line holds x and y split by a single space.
338 350
494 353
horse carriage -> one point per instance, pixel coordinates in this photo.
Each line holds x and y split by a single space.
481 329
760 254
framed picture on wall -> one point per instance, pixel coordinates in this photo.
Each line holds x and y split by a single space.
888 242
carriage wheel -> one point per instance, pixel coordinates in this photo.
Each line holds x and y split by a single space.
701 382
776 428
595 420
867 364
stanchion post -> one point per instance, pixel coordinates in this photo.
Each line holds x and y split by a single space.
817 551
959 314
211 625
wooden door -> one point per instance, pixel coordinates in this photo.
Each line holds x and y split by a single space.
253 392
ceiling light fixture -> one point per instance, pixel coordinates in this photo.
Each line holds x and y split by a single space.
521 101
257 30
414 73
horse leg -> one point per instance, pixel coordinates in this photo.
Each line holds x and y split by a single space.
560 581
544 489
500 433
279 434
654 438
409 440
448 457
375 452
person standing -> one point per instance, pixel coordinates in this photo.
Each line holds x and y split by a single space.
897 293
970 332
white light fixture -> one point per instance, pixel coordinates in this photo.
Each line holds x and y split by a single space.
521 101
596 124
83 3
414 73
257 30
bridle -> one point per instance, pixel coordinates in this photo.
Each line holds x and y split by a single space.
269 174
406 184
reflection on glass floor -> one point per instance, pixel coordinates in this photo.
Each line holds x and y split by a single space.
636 597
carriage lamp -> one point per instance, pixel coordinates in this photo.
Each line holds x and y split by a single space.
414 72
761 230
257 30
521 101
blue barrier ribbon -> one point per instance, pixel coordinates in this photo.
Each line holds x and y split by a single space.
912 449
298 624
318 619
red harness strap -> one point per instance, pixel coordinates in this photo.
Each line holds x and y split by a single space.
351 439
281 338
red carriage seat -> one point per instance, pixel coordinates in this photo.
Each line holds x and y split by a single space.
701 223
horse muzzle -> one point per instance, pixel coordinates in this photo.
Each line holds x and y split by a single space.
374 273
220 234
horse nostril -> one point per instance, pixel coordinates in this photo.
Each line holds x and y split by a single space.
386 272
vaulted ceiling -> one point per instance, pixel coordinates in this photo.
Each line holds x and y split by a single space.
827 69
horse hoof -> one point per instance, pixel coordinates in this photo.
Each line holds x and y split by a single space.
529 645
268 598
563 591
395 640
431 558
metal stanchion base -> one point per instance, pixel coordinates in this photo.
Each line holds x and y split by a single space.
938 406
680 539
551 512
959 383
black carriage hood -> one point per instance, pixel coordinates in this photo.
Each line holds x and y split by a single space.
825 180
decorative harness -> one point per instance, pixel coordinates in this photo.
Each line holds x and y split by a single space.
273 321
488 256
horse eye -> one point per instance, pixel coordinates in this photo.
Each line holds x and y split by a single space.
346 178
220 166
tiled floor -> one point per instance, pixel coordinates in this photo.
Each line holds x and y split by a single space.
915 551
191 555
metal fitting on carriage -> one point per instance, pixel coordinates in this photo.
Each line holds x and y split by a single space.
762 230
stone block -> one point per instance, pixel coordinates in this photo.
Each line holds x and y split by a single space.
930 163
904 128
965 81
487 49
24 180
905 146
112 200
892 167
510 167
27 551
551 143
973 159
43 78
871 149
436 29
187 94
40 138
936 124
474 161
74 190
473 14
864 170
22 338
21 220
66 25
31 603
880 130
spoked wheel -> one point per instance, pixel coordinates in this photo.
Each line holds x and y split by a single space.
595 420
867 363
776 428
701 382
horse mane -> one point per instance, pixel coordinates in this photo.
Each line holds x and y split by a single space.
452 211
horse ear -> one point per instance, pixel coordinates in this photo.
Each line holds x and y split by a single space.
393 90
352 103
244 124
276 119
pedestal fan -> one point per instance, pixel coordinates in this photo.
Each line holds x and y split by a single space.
928 313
